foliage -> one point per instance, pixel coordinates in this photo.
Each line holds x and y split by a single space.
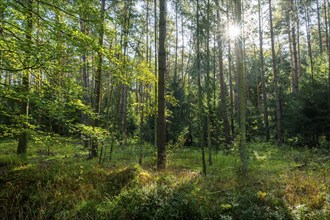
64 185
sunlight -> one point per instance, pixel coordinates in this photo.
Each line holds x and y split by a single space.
233 31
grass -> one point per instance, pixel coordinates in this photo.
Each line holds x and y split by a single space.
61 183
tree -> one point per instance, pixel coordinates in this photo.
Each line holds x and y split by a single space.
200 94
277 93
294 18
98 78
208 82
23 137
226 128
262 67
161 150
242 83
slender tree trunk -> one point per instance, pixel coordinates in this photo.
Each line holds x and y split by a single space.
200 95
156 71
214 89
242 96
263 80
309 44
109 99
226 127
23 137
124 87
98 79
327 29
319 26
294 46
298 44
257 79
208 87
141 124
291 58
176 42
147 32
182 51
161 126
276 88
231 93
84 70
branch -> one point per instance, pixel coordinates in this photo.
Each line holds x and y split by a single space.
66 12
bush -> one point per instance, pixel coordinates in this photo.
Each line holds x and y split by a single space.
157 201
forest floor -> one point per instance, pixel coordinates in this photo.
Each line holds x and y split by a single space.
60 183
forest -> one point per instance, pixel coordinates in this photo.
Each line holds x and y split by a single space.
165 109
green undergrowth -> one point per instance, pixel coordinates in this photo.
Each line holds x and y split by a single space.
61 183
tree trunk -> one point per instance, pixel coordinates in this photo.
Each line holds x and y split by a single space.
319 26
291 58
23 137
84 70
208 87
255 67
231 92
242 87
277 93
98 79
224 114
327 29
161 126
309 44
294 46
156 71
200 95
147 32
298 44
176 42
263 80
